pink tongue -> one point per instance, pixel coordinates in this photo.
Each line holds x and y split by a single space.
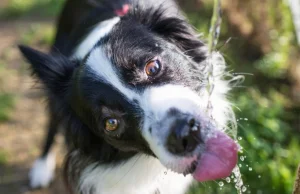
218 160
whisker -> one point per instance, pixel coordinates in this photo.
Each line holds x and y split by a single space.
241 73
127 171
225 43
197 139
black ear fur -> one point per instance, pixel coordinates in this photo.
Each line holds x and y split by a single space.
181 34
174 29
55 71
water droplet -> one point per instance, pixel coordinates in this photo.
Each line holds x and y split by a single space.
259 176
247 165
240 138
235 180
246 119
227 180
195 128
240 165
232 176
250 169
165 172
221 184
242 158
244 189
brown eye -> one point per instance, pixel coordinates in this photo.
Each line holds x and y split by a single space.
111 124
153 67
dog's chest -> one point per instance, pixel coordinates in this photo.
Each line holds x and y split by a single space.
140 174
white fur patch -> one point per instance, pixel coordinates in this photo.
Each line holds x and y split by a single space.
100 64
139 175
42 171
94 36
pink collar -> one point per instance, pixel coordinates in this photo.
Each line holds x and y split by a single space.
123 11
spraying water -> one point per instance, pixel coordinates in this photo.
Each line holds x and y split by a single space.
212 42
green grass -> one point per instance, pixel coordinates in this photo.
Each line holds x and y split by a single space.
38 34
7 100
21 8
3 158
7 103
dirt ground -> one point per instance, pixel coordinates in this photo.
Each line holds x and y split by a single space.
21 137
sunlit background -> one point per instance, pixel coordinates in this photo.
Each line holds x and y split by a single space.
258 40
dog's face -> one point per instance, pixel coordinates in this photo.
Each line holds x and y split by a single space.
142 89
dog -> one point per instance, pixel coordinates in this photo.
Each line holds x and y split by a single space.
128 82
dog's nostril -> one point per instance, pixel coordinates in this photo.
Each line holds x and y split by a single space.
184 143
193 125
192 122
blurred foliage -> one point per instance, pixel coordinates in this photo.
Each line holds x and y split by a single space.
276 62
21 8
269 141
3 158
38 34
6 99
263 43
6 106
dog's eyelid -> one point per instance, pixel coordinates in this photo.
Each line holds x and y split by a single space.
107 112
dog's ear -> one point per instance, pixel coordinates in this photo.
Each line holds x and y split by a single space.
55 71
174 29
180 33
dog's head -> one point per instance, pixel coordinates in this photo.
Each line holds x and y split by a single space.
143 89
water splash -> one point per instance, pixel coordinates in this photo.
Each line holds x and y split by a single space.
239 182
212 42
244 189
221 184
242 158
228 180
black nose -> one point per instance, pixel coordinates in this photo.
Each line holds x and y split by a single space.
184 136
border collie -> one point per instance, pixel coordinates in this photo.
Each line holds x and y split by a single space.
128 81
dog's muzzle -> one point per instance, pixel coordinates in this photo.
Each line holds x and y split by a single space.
182 135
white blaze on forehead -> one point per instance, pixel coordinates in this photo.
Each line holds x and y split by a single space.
99 63
159 100
99 31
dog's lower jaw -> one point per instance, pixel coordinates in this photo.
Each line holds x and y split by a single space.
139 174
